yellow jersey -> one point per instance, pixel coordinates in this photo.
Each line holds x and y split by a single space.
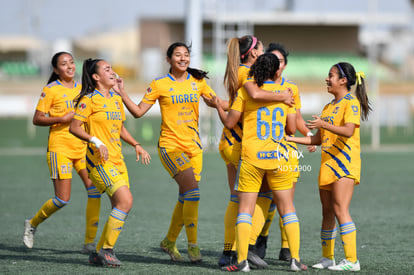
103 118
340 155
56 100
179 103
263 142
233 136
293 147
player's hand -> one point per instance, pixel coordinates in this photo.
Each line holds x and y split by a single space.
68 117
119 86
103 152
212 101
316 123
311 148
288 97
145 157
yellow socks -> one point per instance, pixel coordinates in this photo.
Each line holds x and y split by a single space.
328 243
190 214
48 208
230 224
243 230
93 208
270 215
177 221
348 236
283 236
291 226
260 213
113 228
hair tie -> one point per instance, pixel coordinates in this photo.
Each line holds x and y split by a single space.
254 42
359 76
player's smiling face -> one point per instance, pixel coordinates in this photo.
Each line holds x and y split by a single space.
65 67
334 81
180 59
105 75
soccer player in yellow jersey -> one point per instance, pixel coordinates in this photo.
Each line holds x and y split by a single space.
261 233
264 153
241 54
338 135
179 145
101 111
64 152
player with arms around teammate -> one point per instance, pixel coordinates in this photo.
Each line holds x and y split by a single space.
263 155
101 111
179 145
261 233
64 152
241 54
338 135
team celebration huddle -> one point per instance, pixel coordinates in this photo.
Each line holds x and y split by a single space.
261 117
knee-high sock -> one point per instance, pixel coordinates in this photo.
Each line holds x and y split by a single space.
190 214
348 236
93 208
328 243
270 215
291 225
48 208
243 231
283 237
260 213
113 228
177 221
230 224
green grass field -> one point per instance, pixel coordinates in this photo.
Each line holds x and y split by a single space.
381 209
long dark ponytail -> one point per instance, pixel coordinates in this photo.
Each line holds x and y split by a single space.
347 70
88 83
54 61
196 73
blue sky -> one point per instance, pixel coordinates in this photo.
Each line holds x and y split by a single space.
55 19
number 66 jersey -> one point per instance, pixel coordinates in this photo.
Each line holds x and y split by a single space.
263 143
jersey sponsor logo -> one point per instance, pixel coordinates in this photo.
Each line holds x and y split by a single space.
185 98
149 90
113 116
270 155
42 95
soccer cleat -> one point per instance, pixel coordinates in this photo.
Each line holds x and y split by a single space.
227 258
94 259
170 248
324 263
256 261
261 245
88 248
346 265
107 257
194 254
243 267
28 235
295 265
284 254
